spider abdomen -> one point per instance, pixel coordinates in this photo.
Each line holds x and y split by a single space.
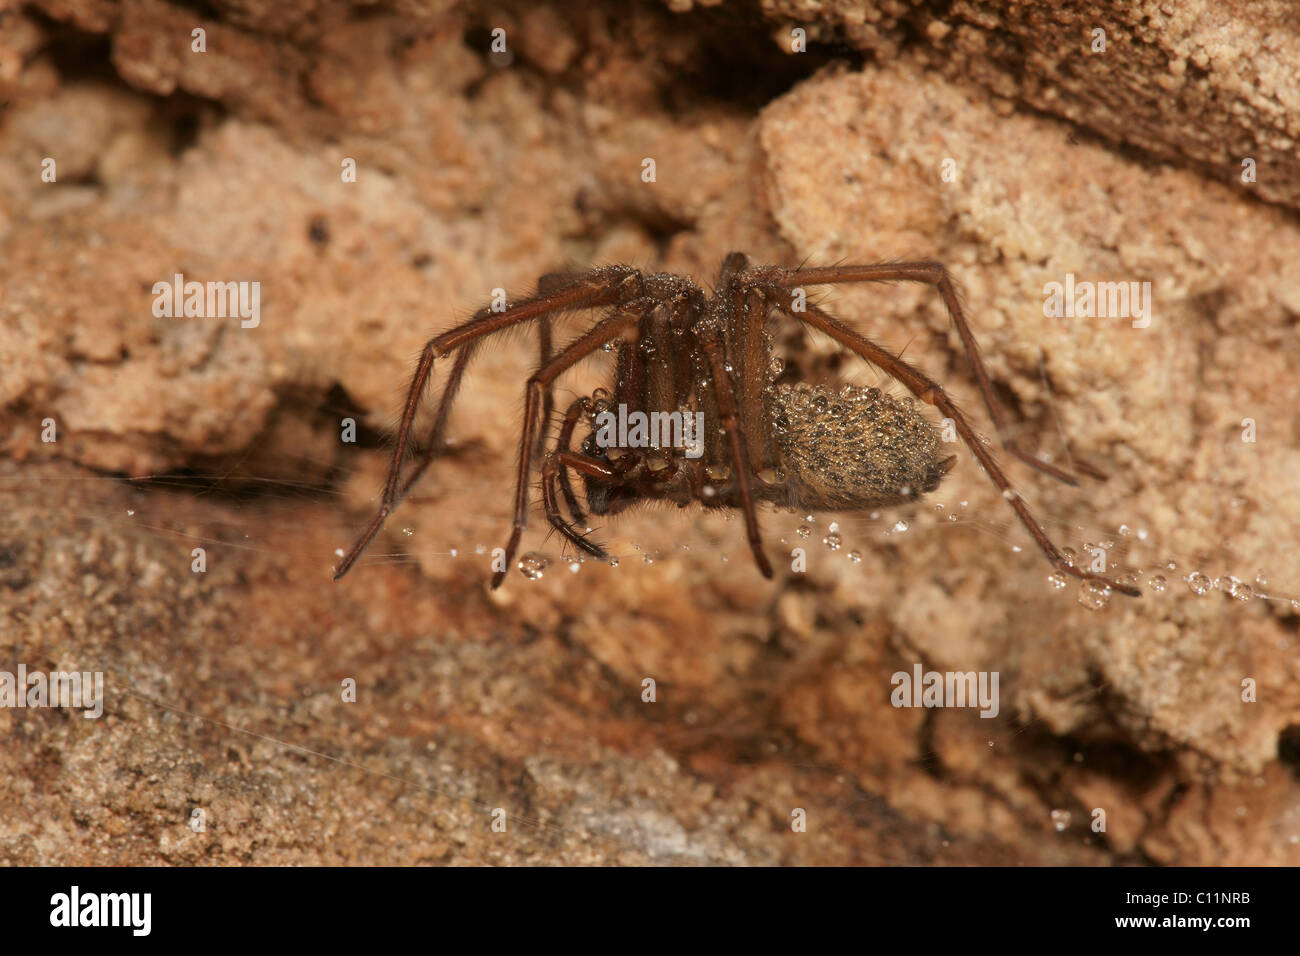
853 449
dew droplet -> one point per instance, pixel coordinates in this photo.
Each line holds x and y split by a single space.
1125 531
855 557
1158 583
1057 580
1242 591
408 531
1071 556
803 531
533 565
832 541
899 526
1060 820
1094 595
454 552
1199 583
574 566
338 552
130 512
776 367
613 562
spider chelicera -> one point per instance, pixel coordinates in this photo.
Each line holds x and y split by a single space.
684 355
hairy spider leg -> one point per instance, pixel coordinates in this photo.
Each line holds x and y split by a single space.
606 330
712 343
564 443
556 465
610 286
433 444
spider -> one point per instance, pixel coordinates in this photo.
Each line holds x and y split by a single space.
682 354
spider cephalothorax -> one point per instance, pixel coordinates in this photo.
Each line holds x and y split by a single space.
697 414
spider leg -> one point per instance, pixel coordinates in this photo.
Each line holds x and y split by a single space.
935 274
552 468
605 330
932 393
433 444
548 398
564 443
609 286
711 343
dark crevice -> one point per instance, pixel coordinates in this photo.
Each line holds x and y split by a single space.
1288 748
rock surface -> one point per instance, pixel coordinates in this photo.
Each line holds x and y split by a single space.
991 141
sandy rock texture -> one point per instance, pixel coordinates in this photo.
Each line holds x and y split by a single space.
990 139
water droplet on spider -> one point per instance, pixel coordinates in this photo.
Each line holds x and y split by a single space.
1261 580
455 552
613 562
1198 583
648 559
1071 556
338 552
899 526
803 531
1060 820
532 565
832 541
1094 595
574 566
834 526
1158 583
776 367
1057 580
954 517
855 557
130 512
1242 591
408 531
1125 531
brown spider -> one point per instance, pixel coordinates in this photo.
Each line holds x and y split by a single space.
683 355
